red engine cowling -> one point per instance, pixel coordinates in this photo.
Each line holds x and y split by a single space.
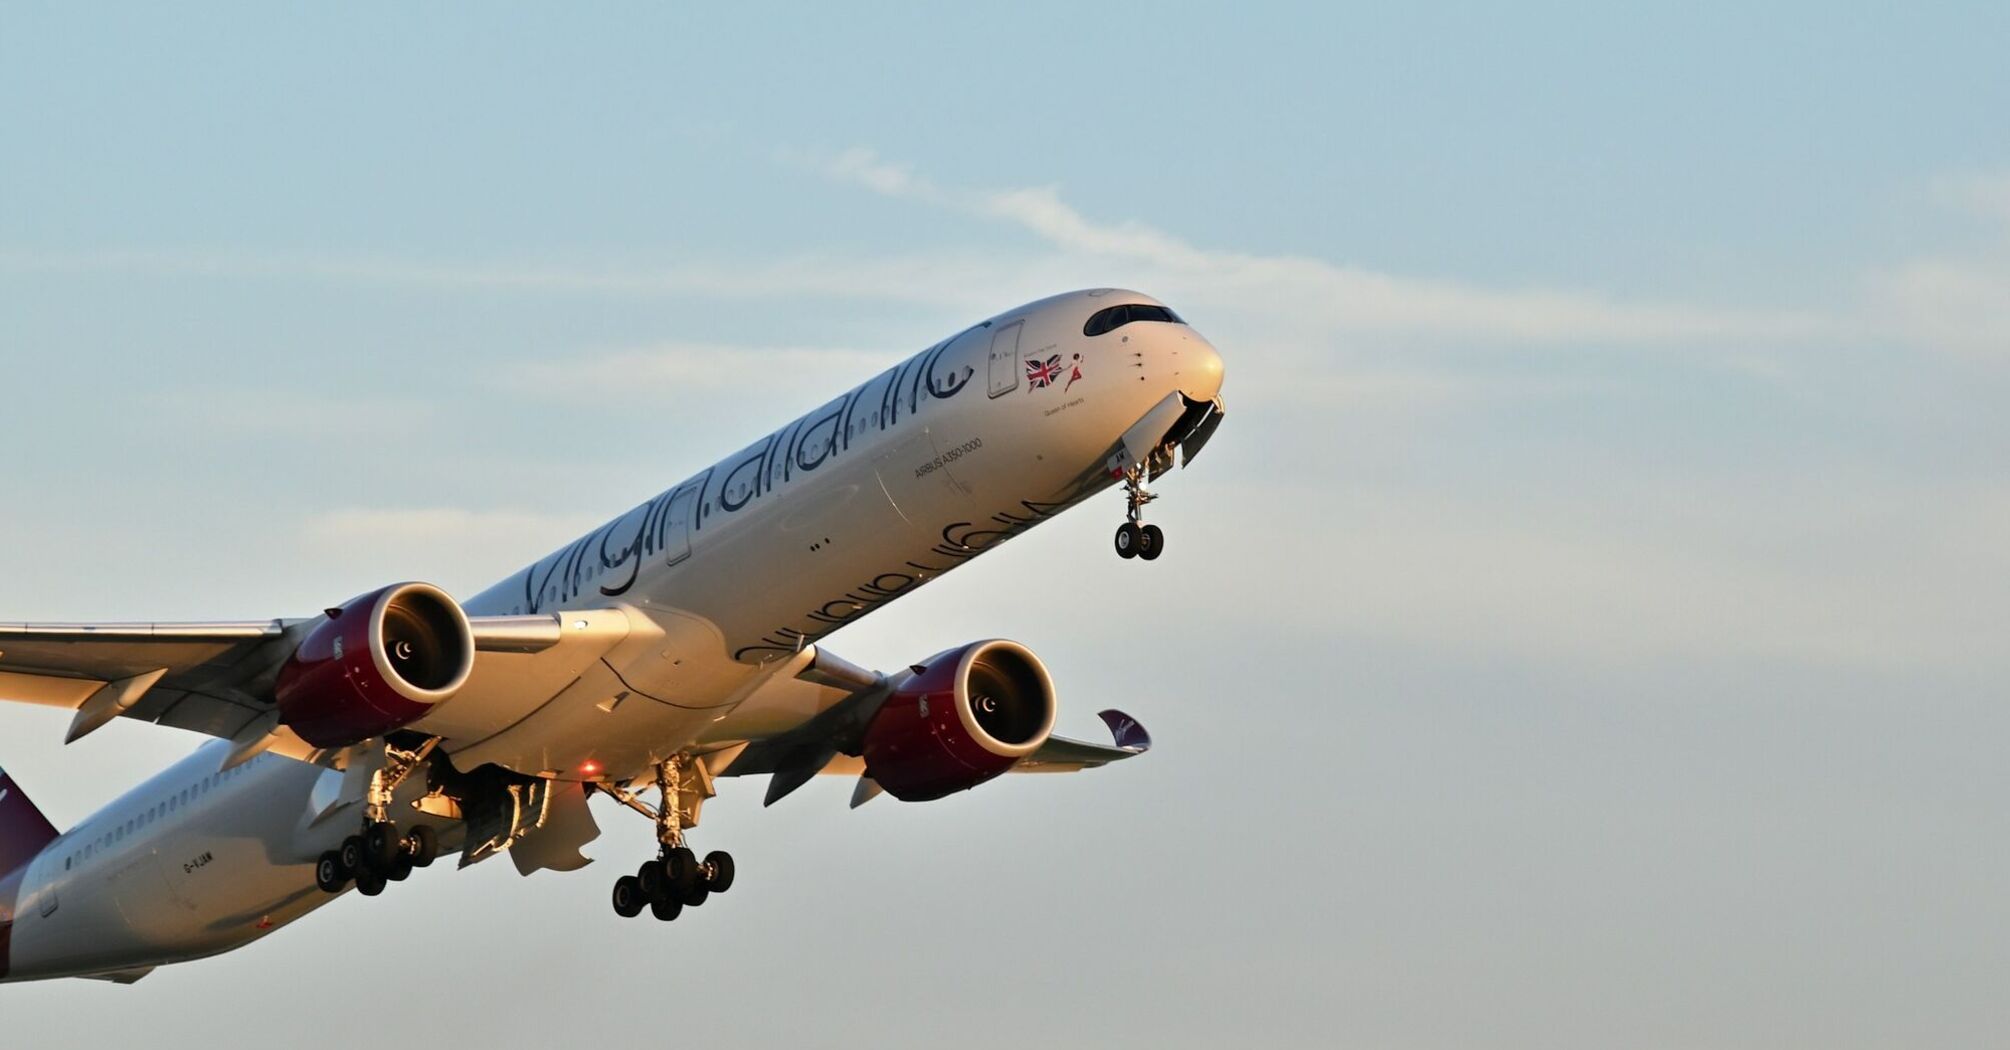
966 717
376 663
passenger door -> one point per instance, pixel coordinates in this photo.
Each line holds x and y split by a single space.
677 534
1005 359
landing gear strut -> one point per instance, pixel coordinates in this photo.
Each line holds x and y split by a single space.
1134 538
676 879
380 854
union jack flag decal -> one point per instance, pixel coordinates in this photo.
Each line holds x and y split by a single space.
1046 373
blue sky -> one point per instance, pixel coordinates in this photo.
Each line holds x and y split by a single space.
1587 630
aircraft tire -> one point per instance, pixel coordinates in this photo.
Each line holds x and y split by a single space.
351 854
1151 542
680 866
381 845
629 899
369 883
329 873
718 871
651 881
1127 540
422 844
666 910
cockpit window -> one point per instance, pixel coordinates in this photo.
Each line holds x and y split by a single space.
1114 317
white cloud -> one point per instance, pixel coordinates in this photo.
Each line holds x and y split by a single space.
866 168
1983 195
1344 298
1948 303
1961 306
1956 303
932 280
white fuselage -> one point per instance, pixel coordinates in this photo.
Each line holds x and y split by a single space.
722 579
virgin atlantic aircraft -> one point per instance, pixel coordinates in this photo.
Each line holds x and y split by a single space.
672 646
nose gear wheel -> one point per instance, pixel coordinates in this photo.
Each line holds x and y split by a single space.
1134 538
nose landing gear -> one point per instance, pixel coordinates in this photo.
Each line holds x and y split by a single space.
1134 538
676 879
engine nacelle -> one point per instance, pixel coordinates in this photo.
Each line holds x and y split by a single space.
964 718
378 662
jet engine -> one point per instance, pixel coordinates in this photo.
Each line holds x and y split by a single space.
375 663
962 718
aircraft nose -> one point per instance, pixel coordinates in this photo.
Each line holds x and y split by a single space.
1200 370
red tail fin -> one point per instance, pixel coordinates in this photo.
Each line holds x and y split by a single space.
23 828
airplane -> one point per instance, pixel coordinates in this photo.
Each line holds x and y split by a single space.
678 643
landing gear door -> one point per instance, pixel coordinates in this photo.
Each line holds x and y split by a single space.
1005 359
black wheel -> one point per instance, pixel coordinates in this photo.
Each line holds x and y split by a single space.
649 878
697 895
401 869
628 897
422 844
369 883
351 854
666 909
680 866
328 873
1151 541
718 871
1127 540
381 845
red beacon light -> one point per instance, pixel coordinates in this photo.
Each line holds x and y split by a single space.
589 768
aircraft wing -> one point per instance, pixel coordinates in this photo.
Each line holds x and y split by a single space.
829 741
1062 755
213 678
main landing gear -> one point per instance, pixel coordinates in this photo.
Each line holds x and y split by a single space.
377 857
380 854
676 879
1134 538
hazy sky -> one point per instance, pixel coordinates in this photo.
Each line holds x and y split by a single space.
1588 630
